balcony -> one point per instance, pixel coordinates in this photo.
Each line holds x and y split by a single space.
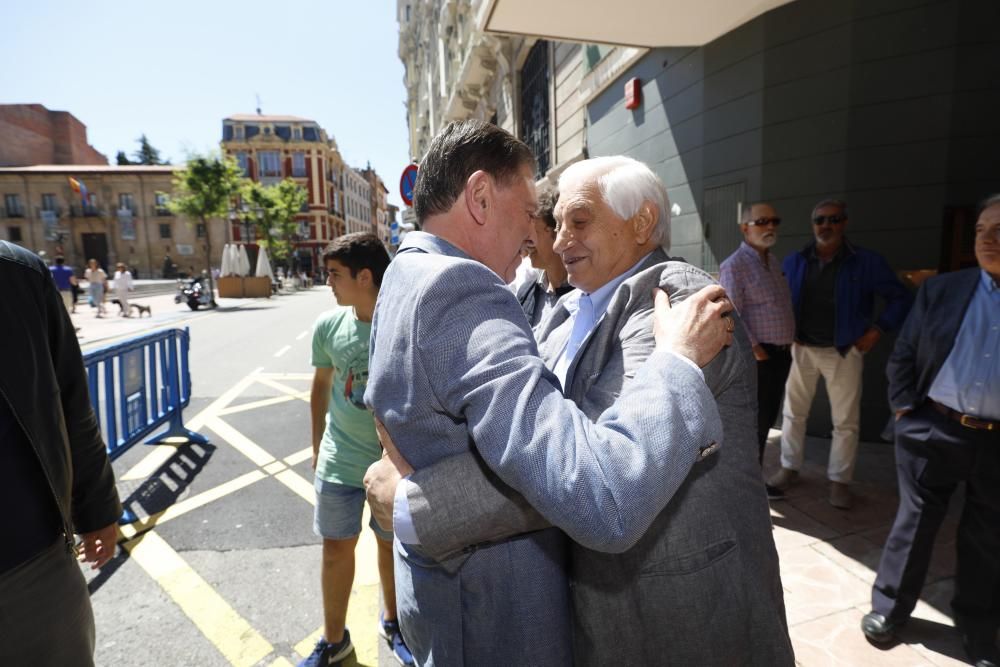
84 211
46 211
13 211
161 211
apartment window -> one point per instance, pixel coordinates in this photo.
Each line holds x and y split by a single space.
283 131
227 132
270 163
239 131
12 204
49 202
126 201
200 230
299 164
241 159
535 104
251 131
161 203
165 231
310 134
14 234
297 133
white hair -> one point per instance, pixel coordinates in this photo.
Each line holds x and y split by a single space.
625 183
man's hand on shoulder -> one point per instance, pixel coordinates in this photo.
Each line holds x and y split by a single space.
382 478
698 327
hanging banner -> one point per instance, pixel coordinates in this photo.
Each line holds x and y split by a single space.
126 224
51 222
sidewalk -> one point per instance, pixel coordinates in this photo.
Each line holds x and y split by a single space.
828 563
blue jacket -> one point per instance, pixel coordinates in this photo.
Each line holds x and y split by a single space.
863 274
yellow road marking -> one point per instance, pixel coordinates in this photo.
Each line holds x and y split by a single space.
160 454
305 647
240 442
192 503
226 629
288 376
282 661
263 403
299 457
298 484
284 388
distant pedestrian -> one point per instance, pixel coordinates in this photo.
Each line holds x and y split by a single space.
97 281
344 442
123 285
754 282
834 284
944 385
65 281
539 296
55 476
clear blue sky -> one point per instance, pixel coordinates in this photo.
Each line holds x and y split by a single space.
174 70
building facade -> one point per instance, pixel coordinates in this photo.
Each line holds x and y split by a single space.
379 204
31 134
357 202
125 217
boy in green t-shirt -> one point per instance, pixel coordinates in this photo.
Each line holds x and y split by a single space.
344 442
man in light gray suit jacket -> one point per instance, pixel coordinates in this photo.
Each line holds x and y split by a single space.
453 365
702 586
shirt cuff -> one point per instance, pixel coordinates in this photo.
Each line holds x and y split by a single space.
402 520
676 354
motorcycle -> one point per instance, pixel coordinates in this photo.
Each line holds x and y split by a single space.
193 293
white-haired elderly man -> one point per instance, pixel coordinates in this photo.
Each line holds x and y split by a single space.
701 586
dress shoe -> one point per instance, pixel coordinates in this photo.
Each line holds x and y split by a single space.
774 493
982 652
840 495
878 628
783 479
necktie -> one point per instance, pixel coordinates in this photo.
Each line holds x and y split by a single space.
582 325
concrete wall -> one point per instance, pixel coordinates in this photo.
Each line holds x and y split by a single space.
889 105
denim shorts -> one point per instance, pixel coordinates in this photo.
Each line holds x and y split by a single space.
338 512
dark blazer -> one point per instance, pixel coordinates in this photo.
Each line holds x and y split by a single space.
928 335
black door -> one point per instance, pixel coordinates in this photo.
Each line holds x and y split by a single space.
95 246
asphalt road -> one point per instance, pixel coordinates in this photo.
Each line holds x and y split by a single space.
223 566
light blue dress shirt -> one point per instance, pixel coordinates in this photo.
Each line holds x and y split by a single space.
969 380
585 311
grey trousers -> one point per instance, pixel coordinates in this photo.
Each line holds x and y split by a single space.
45 613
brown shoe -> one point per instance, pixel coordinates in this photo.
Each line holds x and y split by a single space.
783 479
840 495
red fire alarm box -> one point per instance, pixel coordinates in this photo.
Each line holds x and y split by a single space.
633 93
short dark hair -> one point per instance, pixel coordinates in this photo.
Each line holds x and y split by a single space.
458 151
547 201
357 251
60 259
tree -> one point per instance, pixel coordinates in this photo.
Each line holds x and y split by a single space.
146 153
122 159
273 210
205 189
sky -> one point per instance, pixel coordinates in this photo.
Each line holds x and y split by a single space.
173 71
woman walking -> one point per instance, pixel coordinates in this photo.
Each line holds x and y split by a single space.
123 285
97 280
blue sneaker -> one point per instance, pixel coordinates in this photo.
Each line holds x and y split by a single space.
389 630
326 653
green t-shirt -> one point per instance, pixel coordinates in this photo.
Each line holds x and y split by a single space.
350 444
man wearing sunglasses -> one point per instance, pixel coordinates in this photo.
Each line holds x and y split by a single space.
833 284
754 282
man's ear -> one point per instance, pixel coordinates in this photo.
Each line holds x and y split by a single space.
478 195
644 222
365 277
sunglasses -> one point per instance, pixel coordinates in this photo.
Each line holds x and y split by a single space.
764 222
831 219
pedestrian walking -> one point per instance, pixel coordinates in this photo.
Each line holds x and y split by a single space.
834 284
123 285
65 282
97 281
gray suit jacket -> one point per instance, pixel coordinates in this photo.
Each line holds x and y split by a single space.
454 366
702 586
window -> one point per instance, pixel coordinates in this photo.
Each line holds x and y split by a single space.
297 133
125 201
239 131
49 202
14 234
241 159
161 203
535 103
165 232
283 131
298 164
12 204
251 131
594 54
310 134
270 163
200 230
227 132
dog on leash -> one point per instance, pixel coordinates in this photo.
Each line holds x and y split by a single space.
139 308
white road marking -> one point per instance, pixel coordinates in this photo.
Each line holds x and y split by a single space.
282 350
302 335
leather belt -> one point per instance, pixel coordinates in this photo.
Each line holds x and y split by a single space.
968 421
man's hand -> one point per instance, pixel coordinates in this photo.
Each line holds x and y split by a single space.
759 353
402 465
315 458
381 481
98 547
698 327
868 340
902 413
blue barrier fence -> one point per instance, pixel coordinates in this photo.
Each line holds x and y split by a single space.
138 386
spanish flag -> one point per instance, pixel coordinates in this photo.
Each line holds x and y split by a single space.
79 188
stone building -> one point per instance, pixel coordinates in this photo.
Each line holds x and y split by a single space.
124 218
31 134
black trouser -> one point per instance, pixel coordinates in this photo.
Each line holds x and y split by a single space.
934 454
771 377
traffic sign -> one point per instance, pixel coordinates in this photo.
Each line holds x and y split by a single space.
406 183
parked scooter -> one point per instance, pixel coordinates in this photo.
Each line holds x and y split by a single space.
193 293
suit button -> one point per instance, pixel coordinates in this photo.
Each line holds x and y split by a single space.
708 450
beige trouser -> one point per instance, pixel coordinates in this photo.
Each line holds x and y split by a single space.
67 297
842 375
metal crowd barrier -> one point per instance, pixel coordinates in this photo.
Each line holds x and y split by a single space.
138 386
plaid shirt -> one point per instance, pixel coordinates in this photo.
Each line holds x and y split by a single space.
761 295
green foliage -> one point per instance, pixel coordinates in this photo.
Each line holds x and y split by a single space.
121 159
273 209
146 153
